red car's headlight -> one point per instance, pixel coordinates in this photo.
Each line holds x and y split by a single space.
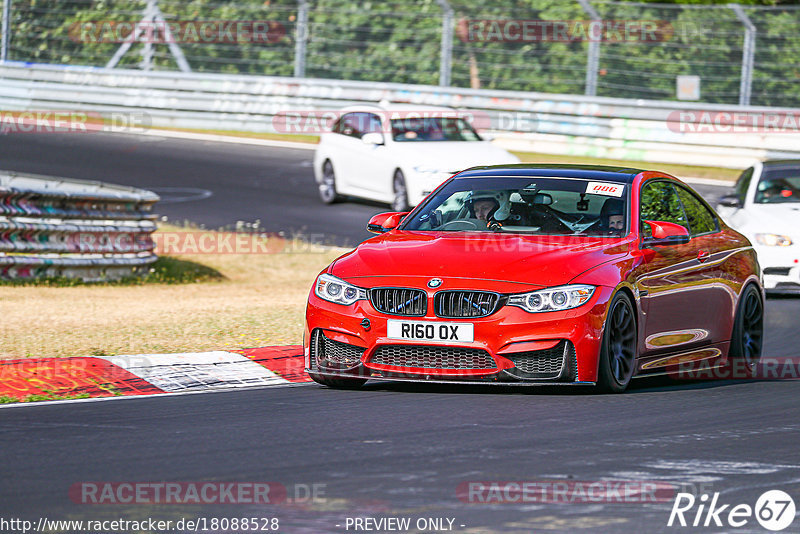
553 298
337 290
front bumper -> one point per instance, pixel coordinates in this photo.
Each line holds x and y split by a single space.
781 268
512 345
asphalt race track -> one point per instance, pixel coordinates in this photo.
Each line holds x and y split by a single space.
390 449
404 450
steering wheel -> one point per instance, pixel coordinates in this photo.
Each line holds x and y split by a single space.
459 224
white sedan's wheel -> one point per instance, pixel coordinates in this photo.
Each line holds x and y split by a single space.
400 201
327 188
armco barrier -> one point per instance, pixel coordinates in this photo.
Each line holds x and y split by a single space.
538 122
55 227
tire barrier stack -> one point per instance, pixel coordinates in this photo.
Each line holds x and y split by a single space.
55 227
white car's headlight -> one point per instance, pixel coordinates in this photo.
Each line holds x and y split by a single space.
773 240
553 299
337 290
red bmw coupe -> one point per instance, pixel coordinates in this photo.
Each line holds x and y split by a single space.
532 274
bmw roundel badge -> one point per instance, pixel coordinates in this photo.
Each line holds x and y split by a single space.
433 283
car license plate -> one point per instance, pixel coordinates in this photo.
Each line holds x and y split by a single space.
427 331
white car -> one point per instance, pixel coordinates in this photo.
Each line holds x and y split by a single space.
398 153
766 208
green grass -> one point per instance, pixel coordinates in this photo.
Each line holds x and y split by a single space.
165 270
295 138
47 396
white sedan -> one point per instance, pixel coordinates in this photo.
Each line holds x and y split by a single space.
398 153
766 208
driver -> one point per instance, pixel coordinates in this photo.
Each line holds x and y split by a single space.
612 216
488 206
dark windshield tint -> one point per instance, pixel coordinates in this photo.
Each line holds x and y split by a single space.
779 185
432 129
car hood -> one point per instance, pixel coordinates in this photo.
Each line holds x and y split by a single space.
774 217
534 261
766 218
452 156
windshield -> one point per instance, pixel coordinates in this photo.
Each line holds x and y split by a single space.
779 185
529 205
432 129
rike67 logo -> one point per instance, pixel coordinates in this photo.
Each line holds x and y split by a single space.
774 510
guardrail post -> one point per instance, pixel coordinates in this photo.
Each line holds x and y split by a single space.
748 54
301 38
5 38
593 56
446 58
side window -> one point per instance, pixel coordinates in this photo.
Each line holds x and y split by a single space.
659 202
743 184
701 220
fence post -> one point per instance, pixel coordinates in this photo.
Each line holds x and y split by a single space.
593 56
748 54
147 50
301 38
5 37
446 57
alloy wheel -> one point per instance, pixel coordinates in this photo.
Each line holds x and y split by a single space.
622 342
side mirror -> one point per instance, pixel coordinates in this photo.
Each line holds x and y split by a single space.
730 201
665 234
372 138
383 222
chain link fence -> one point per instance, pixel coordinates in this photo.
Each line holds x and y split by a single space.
740 54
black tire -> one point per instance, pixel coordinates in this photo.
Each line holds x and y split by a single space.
338 383
619 346
327 188
400 201
747 338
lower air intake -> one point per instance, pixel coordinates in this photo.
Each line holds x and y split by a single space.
428 357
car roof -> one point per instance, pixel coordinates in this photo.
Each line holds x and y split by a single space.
591 172
781 163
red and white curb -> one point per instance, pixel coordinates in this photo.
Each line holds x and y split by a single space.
148 374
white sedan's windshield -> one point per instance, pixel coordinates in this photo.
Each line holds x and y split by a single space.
779 186
432 129
547 206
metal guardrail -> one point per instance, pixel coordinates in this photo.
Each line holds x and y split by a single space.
56 227
619 128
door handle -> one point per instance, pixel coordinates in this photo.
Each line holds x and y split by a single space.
703 255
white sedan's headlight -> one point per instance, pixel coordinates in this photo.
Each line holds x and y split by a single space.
337 290
773 240
553 299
